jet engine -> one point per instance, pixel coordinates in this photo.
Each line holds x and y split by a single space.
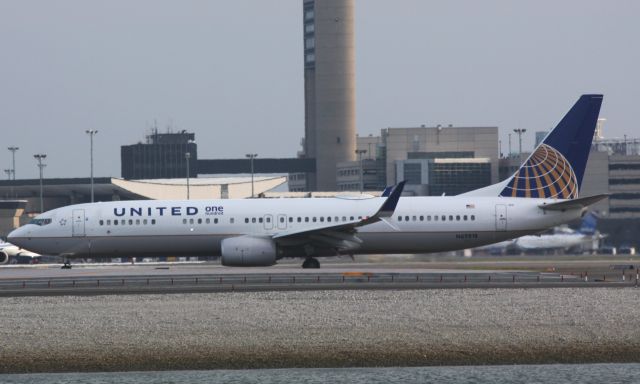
248 251
4 257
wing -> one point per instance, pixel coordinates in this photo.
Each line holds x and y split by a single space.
340 236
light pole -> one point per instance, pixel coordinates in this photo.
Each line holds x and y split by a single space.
91 133
8 172
520 131
187 156
361 152
251 156
39 157
13 150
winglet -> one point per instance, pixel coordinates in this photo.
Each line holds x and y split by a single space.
387 191
386 210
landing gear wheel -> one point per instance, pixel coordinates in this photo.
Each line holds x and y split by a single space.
66 265
311 262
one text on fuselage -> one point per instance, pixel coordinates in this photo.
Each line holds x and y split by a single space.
168 211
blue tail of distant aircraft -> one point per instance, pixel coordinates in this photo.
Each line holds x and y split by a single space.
556 167
589 222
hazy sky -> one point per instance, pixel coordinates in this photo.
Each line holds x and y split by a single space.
232 72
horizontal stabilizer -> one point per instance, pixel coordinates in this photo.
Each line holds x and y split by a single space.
582 202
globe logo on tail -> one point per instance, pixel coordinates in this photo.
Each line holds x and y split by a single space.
546 174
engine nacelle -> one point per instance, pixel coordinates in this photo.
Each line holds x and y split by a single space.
4 257
248 251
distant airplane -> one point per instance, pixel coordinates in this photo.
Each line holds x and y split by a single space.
11 254
561 238
542 194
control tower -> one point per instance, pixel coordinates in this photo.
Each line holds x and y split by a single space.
329 82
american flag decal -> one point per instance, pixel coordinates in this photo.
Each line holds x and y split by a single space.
546 174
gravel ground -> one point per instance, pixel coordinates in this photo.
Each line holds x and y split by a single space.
319 329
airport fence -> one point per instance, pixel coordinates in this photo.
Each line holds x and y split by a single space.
225 282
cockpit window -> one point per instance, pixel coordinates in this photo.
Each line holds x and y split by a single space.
40 221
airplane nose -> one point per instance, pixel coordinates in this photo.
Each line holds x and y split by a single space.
16 236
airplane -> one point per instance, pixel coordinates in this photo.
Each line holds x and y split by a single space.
542 194
12 254
560 238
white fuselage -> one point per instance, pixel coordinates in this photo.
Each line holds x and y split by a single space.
552 241
197 227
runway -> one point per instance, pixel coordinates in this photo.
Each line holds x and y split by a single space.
98 279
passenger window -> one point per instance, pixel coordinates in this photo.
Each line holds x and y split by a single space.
314 219
207 220
458 218
291 219
306 219
444 218
399 218
299 219
260 220
144 221
137 221
231 220
421 218
435 218
130 222
282 219
351 218
465 217
344 218
215 221
414 218
108 222
123 222
101 222
329 219
153 221
246 220
190 221
450 217
199 221
268 219
406 218
115 222
184 221
473 217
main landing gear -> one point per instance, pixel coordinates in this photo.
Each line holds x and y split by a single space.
66 265
311 262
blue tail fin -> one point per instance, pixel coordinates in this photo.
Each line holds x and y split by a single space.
555 169
588 226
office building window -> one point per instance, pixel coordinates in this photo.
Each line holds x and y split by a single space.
413 173
309 43
309 14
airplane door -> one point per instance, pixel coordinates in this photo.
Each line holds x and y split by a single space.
78 222
268 222
282 222
501 217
